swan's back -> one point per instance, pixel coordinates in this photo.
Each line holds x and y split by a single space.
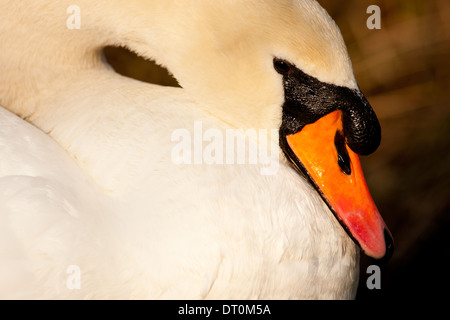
45 203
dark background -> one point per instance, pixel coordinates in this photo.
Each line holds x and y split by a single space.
404 72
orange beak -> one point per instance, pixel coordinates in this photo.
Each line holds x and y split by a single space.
336 172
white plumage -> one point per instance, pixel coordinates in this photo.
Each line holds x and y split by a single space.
94 184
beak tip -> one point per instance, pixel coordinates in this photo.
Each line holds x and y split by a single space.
389 241
389 245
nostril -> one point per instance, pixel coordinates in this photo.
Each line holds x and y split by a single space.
343 157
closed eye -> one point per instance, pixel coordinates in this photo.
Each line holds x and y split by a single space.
281 66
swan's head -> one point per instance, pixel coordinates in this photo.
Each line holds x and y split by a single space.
270 64
278 64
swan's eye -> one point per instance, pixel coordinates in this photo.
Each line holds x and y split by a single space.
281 66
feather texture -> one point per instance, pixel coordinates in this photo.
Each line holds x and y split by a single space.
93 184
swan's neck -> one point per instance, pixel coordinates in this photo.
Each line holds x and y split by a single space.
44 55
45 51
41 54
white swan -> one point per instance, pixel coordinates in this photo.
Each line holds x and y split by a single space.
117 206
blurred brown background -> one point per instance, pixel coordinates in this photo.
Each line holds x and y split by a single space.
404 72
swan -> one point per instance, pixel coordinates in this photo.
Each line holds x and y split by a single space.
89 177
